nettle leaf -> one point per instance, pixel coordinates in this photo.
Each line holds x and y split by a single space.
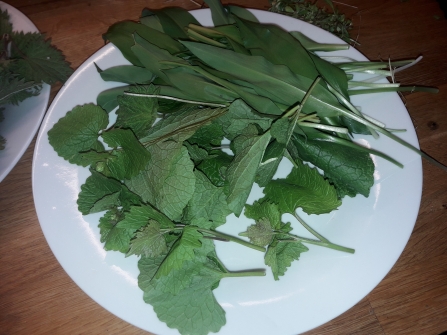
304 187
136 113
78 132
168 181
208 206
180 125
260 233
99 193
241 172
281 254
181 251
351 170
149 241
37 60
129 156
114 237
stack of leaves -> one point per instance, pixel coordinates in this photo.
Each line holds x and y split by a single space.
205 114
26 61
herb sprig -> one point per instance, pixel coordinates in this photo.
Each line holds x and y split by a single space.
26 61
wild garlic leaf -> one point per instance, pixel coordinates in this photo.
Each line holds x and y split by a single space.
276 45
281 254
114 237
174 21
121 34
304 187
260 233
208 206
149 241
99 193
168 181
128 74
181 251
182 124
350 170
129 157
78 131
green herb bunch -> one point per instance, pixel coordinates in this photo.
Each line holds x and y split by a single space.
308 11
204 114
26 61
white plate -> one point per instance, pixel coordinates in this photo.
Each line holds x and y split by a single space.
318 288
21 122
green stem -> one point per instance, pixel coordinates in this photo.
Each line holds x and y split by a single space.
323 244
394 89
259 273
310 229
231 238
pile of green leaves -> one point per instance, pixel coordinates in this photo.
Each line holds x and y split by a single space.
205 113
26 61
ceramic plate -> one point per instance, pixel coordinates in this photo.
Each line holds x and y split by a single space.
321 286
21 122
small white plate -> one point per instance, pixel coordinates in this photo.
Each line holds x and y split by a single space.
20 122
320 286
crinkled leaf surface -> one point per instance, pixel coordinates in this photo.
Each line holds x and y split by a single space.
208 206
260 233
183 299
168 181
281 254
150 241
138 216
181 251
129 156
114 237
78 131
304 187
351 170
99 193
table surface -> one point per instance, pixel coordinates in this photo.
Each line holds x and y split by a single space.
38 297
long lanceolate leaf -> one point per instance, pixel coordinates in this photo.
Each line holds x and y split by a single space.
278 80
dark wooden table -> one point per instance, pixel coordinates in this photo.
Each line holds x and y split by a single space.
38 297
